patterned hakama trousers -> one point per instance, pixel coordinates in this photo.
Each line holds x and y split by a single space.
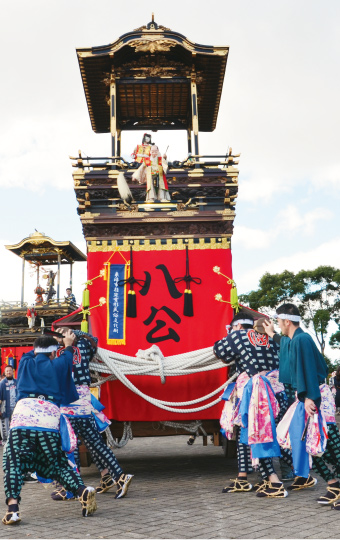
39 451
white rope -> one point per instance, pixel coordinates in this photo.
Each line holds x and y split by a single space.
126 437
192 427
152 362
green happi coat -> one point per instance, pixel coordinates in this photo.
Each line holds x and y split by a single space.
302 365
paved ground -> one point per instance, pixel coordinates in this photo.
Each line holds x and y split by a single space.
176 493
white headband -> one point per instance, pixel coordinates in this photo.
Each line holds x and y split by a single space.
294 318
243 321
49 349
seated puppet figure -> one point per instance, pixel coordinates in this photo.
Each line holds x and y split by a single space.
152 171
142 150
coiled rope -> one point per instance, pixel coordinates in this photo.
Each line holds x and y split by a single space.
153 362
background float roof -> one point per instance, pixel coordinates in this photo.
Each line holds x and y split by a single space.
42 250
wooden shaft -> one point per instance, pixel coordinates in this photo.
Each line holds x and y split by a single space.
194 111
118 142
22 282
189 141
113 119
58 286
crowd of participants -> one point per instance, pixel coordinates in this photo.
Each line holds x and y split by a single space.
278 405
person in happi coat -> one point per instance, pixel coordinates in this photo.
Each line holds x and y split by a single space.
83 422
304 366
70 298
8 399
256 361
34 442
336 384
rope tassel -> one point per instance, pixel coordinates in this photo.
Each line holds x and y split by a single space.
131 308
233 291
188 310
234 298
188 305
84 326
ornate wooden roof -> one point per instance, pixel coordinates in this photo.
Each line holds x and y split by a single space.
42 250
152 67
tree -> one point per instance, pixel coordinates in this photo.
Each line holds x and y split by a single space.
335 340
316 292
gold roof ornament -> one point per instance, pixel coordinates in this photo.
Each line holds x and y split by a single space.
40 249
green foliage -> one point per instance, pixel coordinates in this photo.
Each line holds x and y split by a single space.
316 292
335 340
331 365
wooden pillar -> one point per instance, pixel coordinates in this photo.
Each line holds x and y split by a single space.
189 141
71 268
118 142
194 111
22 282
113 118
58 284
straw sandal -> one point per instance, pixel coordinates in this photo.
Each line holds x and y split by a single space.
273 490
331 496
88 501
123 485
11 518
106 483
336 506
302 483
237 486
60 494
259 486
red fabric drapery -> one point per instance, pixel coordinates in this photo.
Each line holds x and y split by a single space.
190 333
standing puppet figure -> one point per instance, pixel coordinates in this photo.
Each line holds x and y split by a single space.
31 315
142 150
39 291
152 171
51 290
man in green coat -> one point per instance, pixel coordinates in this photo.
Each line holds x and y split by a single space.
303 367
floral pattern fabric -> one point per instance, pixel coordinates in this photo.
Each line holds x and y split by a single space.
231 416
282 429
327 403
81 407
259 418
259 412
316 435
36 413
316 438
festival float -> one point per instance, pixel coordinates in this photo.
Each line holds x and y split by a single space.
160 287
22 322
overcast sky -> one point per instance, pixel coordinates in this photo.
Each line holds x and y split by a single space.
279 109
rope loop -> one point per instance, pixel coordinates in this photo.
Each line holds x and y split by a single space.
155 355
152 362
